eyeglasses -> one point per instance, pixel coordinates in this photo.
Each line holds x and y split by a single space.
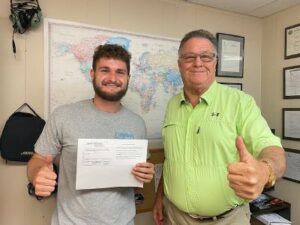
205 57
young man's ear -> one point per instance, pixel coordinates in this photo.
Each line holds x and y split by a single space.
92 74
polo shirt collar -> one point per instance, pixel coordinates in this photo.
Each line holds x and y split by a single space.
182 97
207 96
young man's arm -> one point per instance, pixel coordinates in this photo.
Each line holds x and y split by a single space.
41 174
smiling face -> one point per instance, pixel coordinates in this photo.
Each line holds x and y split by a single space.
197 65
110 79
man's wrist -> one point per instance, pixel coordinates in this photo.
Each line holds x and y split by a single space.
271 174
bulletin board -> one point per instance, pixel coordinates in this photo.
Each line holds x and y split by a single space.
147 194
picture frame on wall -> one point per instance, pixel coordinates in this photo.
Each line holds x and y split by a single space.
291 82
292 40
230 55
292 165
238 86
291 124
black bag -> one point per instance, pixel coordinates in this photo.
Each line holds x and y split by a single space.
19 135
24 14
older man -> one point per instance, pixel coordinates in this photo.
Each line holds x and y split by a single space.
219 150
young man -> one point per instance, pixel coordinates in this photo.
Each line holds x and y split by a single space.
101 117
219 150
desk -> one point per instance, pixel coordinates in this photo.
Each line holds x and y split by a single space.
283 209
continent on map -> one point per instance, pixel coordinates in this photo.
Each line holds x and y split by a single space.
153 71
154 76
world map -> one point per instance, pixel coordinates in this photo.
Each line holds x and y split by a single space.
154 76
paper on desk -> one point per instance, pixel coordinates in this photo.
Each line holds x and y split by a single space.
103 163
273 219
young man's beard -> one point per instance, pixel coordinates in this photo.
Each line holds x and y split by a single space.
107 96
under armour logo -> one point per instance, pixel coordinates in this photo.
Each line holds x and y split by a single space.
215 114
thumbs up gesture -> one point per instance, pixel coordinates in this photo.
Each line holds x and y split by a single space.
248 176
44 180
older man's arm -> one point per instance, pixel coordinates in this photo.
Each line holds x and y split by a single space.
249 176
276 157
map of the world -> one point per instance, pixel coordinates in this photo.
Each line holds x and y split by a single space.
154 74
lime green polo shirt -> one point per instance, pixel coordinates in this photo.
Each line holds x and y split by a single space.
199 143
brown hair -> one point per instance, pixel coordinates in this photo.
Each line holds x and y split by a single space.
112 51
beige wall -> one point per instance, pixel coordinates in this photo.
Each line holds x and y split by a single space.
22 79
272 91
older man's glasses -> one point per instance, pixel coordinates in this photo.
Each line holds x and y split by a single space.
191 57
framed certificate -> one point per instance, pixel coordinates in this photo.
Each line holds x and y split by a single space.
292 42
230 55
291 123
292 171
291 82
238 86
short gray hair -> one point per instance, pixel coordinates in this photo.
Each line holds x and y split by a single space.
199 34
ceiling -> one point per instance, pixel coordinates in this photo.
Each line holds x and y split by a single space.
257 8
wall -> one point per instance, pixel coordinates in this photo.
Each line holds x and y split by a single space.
272 92
21 78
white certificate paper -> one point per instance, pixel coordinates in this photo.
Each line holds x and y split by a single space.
292 82
104 163
292 124
293 41
231 56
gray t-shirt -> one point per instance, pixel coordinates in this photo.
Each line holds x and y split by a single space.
68 123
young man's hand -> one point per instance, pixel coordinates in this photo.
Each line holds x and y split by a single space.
44 180
143 172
